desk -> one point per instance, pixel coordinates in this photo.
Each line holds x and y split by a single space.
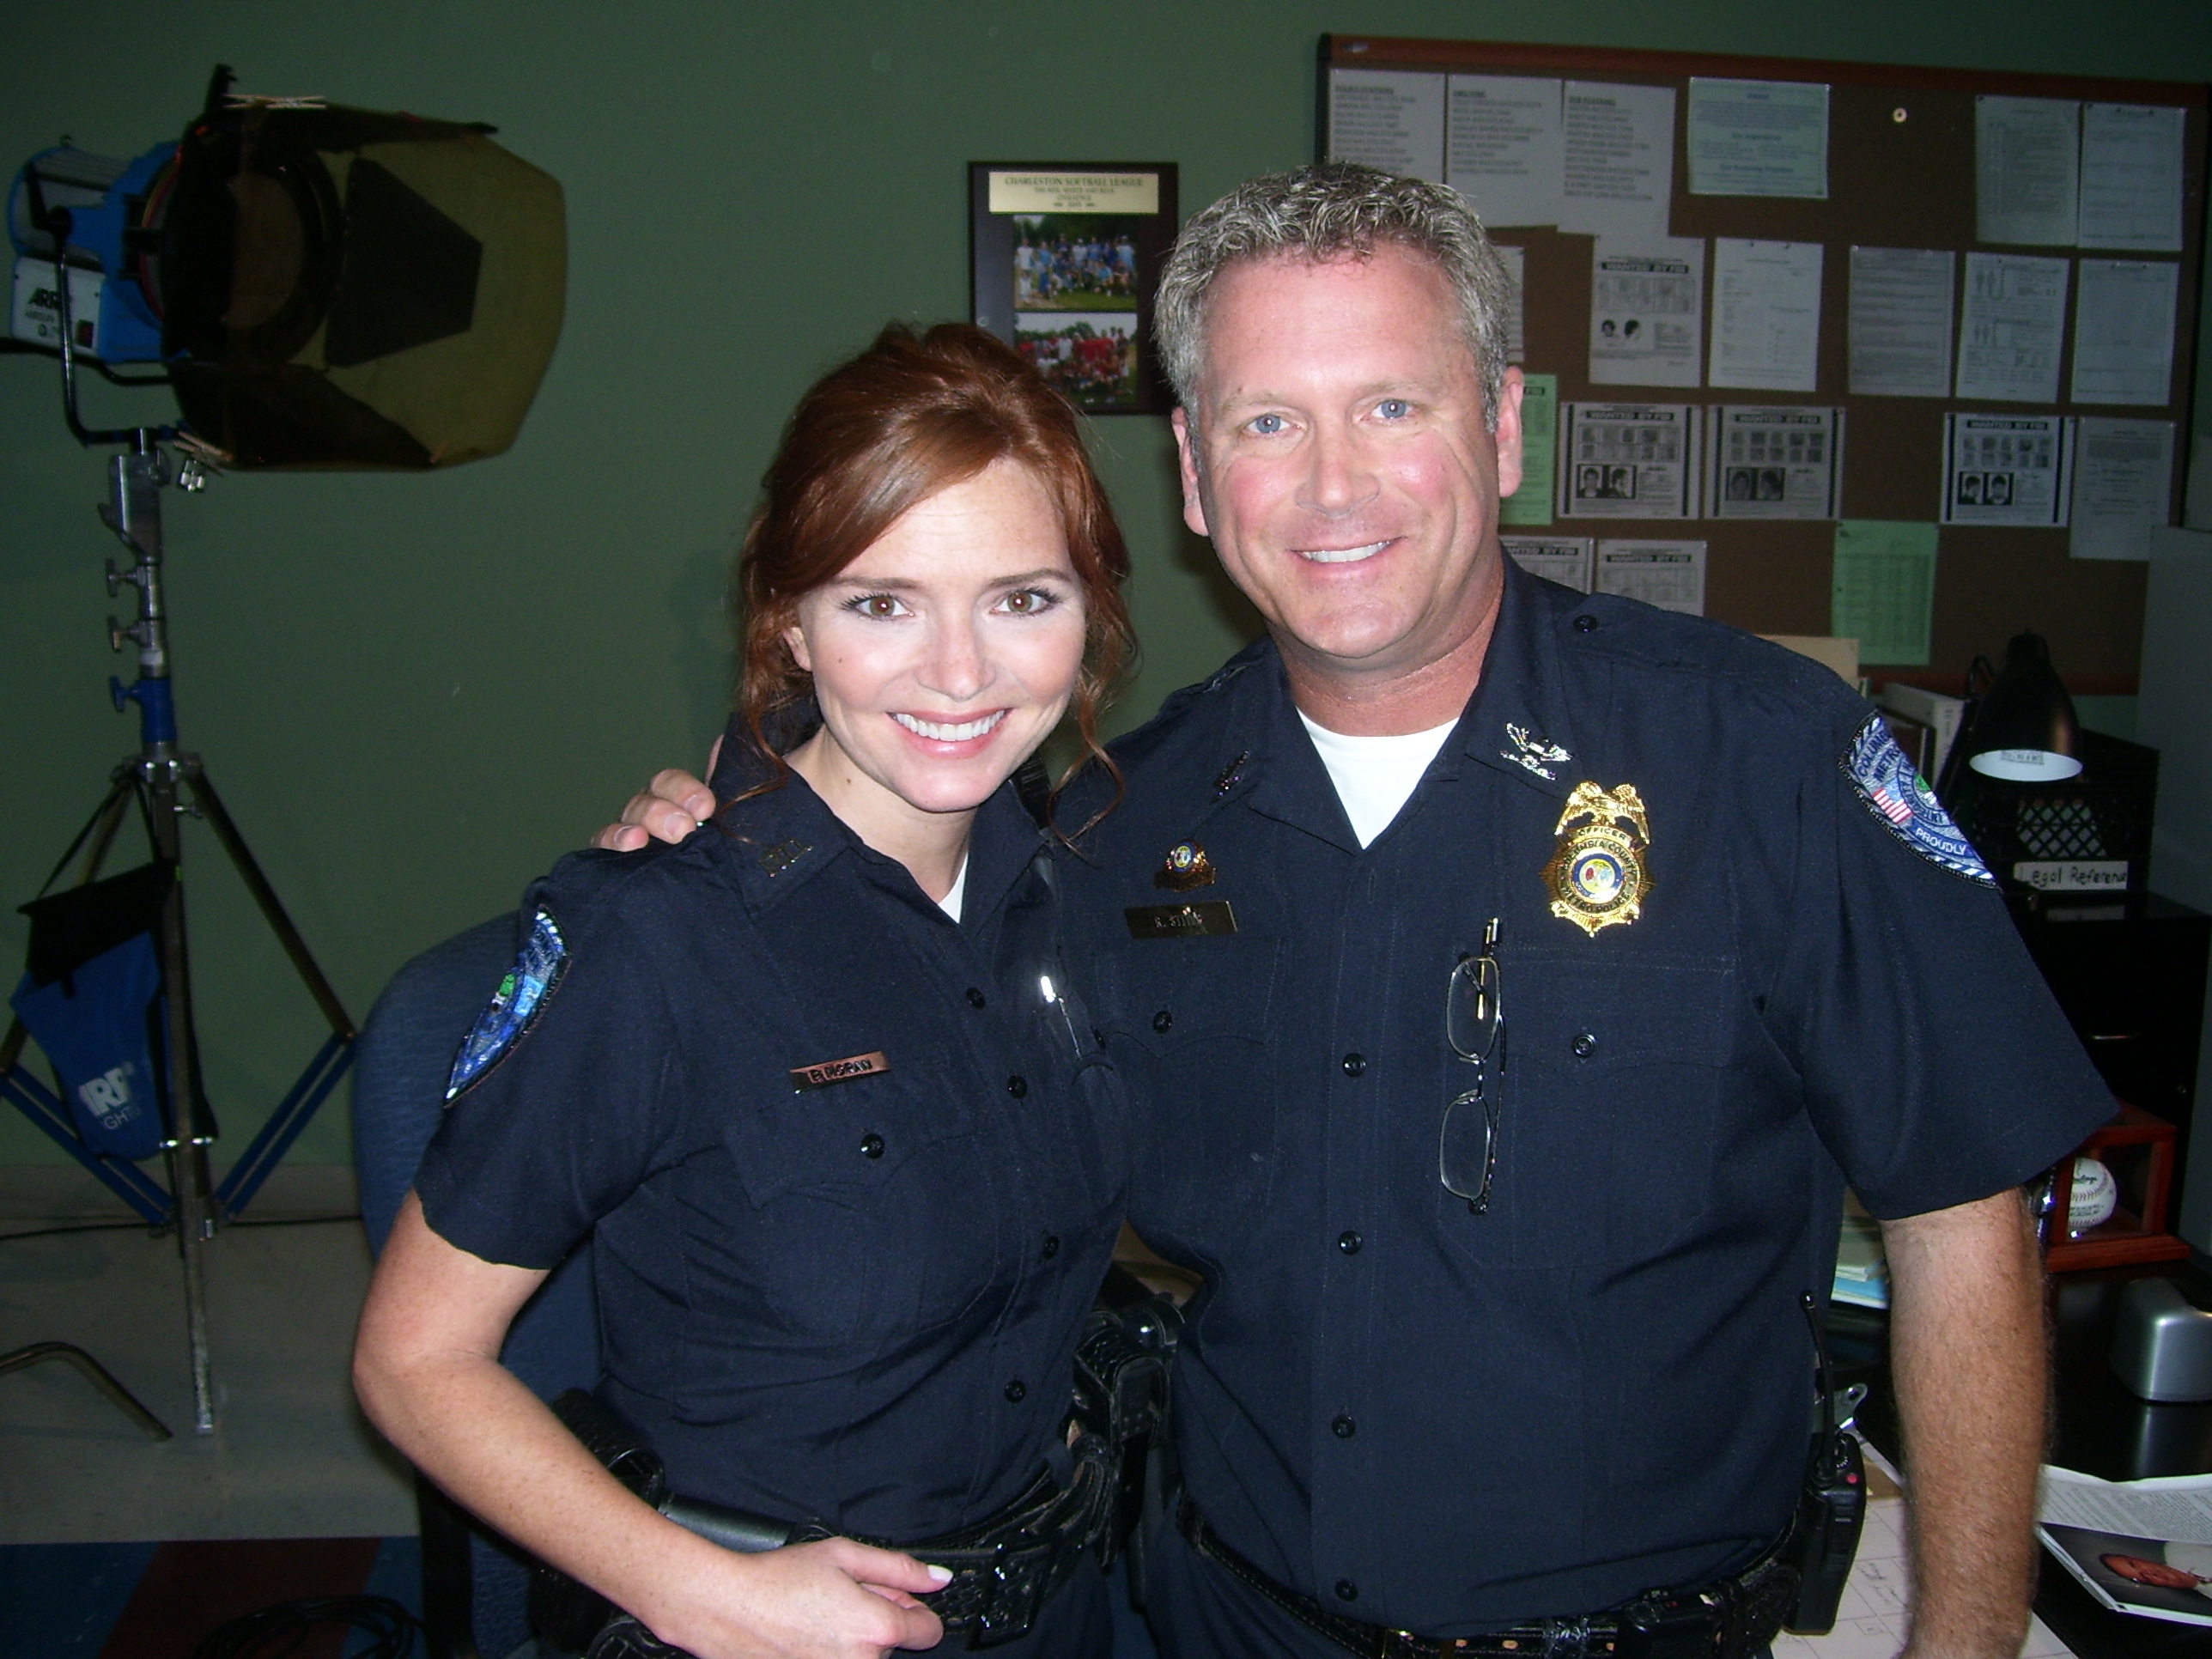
2102 1429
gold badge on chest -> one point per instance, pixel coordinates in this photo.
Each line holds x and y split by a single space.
1597 876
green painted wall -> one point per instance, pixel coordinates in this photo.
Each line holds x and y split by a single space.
416 692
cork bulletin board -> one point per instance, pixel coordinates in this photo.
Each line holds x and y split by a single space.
1907 167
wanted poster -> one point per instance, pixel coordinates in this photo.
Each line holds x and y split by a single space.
1775 461
1628 461
1563 559
2007 469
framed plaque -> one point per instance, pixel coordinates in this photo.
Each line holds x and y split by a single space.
1064 259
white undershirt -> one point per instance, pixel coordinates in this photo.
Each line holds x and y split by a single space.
1375 776
951 902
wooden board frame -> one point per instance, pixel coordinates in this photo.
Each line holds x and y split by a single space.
1774 576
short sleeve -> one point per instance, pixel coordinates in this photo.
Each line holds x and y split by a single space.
1938 1068
557 1120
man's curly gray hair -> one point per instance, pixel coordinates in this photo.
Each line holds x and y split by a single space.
1331 210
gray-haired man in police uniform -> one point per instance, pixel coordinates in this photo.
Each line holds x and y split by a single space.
1502 1325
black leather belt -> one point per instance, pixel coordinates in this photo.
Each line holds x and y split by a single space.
1729 1619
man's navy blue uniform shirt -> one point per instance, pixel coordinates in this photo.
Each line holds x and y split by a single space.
1602 1385
854 1303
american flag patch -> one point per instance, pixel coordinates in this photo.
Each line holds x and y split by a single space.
1907 807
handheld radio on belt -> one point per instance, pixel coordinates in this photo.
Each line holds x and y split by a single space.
1831 1509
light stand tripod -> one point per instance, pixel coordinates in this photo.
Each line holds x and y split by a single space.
164 781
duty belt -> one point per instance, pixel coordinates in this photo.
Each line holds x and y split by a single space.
1729 1619
1003 1568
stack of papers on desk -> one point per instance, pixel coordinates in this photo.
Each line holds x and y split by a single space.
1862 1272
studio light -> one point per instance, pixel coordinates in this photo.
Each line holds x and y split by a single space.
322 287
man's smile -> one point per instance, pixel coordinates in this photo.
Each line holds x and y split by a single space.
1343 555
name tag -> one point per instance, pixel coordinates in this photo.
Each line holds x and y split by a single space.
1179 920
828 1071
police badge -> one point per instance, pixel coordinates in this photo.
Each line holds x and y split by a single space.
1597 877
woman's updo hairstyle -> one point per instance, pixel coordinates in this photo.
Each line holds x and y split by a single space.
912 415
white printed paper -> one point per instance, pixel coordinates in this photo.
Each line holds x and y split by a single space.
2009 328
1759 137
1901 321
1502 147
1669 574
1563 559
1389 119
2131 176
1766 315
2006 469
1646 310
2123 485
2091 1525
1516 313
1618 158
2124 330
2027 153
1782 461
1628 461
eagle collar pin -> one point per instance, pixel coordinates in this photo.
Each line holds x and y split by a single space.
1597 877
1538 754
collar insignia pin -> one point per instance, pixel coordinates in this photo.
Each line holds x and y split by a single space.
1597 877
1231 775
1186 867
781 856
1538 754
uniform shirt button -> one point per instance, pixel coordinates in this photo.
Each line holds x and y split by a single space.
1016 1391
1018 1085
872 1146
1347 1590
1585 624
1584 1045
975 998
1354 1064
1348 1242
1162 1021
1051 1246
1344 1428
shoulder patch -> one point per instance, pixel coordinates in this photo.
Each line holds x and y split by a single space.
1907 807
514 1007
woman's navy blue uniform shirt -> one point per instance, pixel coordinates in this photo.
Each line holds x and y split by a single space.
856 1303
1603 1384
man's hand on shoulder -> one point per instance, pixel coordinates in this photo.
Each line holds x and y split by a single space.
668 809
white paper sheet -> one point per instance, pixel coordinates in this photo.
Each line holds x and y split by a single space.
2122 486
1503 148
1669 574
1901 321
2131 176
1758 137
1618 158
1628 461
2007 469
2009 328
1766 315
1647 309
1387 118
1563 559
2026 158
1516 313
2124 330
1774 461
